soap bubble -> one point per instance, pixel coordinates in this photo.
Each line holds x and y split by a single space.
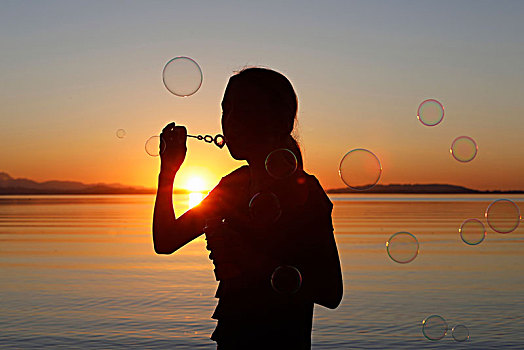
503 216
264 208
472 231
360 169
402 247
430 112
182 76
281 163
464 149
460 333
155 146
121 133
434 327
286 279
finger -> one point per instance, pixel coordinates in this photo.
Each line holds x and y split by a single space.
169 127
174 135
181 134
167 136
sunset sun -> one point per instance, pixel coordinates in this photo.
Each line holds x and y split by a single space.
195 184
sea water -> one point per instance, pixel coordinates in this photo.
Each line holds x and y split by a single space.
81 272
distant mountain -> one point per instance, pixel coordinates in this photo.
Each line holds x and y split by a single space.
418 188
10 185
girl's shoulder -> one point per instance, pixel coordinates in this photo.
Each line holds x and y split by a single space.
237 178
300 188
237 174
227 195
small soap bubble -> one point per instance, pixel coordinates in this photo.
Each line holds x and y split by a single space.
360 169
286 279
434 327
281 163
430 112
182 76
121 133
402 247
264 208
464 149
460 333
503 216
155 146
472 231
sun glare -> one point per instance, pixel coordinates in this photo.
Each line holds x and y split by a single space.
195 184
194 199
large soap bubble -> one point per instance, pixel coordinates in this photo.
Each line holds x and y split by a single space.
460 333
286 279
434 327
402 247
182 76
264 208
464 149
430 112
503 216
281 163
472 231
360 169
155 146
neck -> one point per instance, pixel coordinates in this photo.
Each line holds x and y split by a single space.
259 178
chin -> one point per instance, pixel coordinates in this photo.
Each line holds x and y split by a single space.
235 154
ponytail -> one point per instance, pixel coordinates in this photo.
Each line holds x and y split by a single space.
293 146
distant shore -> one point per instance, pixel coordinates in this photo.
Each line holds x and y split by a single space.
420 189
22 186
379 189
87 191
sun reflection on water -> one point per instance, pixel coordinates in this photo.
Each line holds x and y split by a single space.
195 198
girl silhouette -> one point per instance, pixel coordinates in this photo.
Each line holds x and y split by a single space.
267 224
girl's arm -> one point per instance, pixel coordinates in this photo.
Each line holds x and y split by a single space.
319 264
327 274
170 233
315 250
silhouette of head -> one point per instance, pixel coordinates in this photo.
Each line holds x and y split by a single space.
259 111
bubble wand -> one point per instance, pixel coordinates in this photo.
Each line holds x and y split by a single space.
218 139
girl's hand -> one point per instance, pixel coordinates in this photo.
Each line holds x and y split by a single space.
173 155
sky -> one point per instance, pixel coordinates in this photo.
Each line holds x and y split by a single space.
73 72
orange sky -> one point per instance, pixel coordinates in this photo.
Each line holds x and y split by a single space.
72 77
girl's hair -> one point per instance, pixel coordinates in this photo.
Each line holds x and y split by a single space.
282 103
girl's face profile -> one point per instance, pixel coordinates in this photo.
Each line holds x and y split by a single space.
242 121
